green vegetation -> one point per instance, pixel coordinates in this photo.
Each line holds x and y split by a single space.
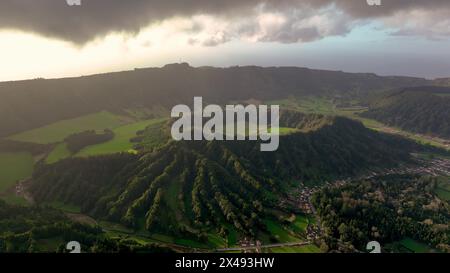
58 153
14 167
443 188
415 246
58 131
309 105
121 141
324 106
387 209
192 190
295 249
37 229
13 199
287 131
279 233
154 135
64 207
42 102
418 110
201 194
78 141
301 222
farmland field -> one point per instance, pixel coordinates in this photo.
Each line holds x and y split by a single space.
65 207
14 167
300 223
296 249
58 153
121 141
443 189
415 246
58 131
12 198
279 232
316 105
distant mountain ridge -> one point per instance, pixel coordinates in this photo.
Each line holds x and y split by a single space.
442 82
30 104
423 110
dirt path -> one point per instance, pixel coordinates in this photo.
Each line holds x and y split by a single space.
81 218
263 246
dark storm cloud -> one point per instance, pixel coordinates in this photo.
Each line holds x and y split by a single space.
80 24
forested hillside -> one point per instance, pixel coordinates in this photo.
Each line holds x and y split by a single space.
386 209
22 102
43 229
423 110
188 185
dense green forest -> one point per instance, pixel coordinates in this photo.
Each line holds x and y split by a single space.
423 110
171 85
43 229
182 187
386 209
76 142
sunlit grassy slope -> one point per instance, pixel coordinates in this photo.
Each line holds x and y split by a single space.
121 141
14 167
58 153
56 132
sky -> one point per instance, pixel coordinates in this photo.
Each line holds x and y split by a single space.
50 39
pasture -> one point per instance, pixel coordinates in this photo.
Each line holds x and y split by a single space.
121 141
58 131
14 167
59 152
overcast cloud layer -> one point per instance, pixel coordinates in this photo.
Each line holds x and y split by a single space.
285 21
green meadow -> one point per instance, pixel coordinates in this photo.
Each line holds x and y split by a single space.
58 131
281 234
416 247
296 249
318 105
443 188
64 207
300 223
59 152
14 167
121 141
13 199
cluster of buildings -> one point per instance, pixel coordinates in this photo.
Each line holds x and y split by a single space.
300 197
250 246
440 166
435 167
313 232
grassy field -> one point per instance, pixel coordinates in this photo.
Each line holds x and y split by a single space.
58 131
295 249
443 189
59 152
286 131
318 105
121 141
14 167
279 232
300 223
415 246
65 207
13 199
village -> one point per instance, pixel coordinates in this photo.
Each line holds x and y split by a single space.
299 198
